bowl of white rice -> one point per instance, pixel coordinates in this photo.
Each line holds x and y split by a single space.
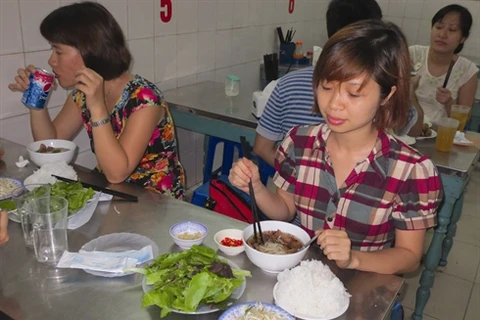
311 291
273 260
52 150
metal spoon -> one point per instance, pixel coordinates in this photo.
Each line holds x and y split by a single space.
306 245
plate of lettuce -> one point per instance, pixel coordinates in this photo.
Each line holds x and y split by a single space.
194 281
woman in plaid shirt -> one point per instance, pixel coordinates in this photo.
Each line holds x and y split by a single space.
349 180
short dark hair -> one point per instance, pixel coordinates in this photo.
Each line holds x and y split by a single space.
465 20
94 32
377 50
341 13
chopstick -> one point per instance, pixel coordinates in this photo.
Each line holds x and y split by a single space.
253 202
448 73
280 35
119 194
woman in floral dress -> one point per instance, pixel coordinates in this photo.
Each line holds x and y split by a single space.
128 122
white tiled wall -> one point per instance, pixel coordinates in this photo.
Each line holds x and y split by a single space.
205 40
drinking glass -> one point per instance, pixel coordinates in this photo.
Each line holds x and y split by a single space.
48 216
447 127
22 196
460 113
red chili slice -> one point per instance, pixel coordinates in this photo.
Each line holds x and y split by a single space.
229 242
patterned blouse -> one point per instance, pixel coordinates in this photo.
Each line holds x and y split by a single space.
395 187
159 169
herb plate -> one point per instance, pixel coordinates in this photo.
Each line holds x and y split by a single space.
204 309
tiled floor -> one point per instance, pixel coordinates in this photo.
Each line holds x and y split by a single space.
456 292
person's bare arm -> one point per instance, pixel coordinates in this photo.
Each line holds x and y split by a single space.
404 258
265 149
65 125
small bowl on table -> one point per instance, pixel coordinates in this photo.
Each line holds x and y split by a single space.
187 233
65 151
233 234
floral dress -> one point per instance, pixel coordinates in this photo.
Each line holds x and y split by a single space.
159 169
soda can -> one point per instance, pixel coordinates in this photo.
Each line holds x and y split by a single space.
41 83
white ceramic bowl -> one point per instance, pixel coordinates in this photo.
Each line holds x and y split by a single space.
275 263
230 233
41 158
191 227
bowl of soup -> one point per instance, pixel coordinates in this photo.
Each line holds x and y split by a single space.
281 248
52 150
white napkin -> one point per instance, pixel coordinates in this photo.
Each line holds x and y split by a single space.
460 138
103 261
21 162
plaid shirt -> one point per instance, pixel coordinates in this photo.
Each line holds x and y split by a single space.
395 187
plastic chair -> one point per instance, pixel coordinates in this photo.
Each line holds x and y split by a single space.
397 311
201 193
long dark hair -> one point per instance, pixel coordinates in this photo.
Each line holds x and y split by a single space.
377 50
94 32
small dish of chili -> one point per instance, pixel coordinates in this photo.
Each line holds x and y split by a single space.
229 241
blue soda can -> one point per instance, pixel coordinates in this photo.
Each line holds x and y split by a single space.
41 83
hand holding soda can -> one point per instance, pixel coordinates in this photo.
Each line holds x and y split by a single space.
41 83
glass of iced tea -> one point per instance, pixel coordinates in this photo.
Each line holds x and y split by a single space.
447 127
460 113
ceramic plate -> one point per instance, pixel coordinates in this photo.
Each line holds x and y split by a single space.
8 193
237 311
13 216
433 135
307 317
118 242
204 309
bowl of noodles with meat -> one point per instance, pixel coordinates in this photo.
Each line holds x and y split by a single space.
282 246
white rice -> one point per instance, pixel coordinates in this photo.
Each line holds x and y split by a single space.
44 174
311 289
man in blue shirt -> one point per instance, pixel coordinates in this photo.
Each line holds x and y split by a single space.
291 101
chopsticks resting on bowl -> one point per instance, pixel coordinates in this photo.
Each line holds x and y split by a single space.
448 73
114 193
253 202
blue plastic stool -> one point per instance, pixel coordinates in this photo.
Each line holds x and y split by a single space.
397 311
201 193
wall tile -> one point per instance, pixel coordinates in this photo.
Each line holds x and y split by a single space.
10 31
255 9
165 58
206 76
410 29
16 129
239 46
223 48
206 51
187 16
240 13
430 7
161 28
413 9
396 8
280 11
118 8
221 74
32 13
253 36
10 104
187 54
87 159
224 14
207 15
140 19
424 29
167 84
142 51
39 59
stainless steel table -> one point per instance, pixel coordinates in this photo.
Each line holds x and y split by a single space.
30 290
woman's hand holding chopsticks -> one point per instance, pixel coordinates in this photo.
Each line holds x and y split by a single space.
244 170
444 96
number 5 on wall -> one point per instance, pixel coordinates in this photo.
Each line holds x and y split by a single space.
166 13
291 6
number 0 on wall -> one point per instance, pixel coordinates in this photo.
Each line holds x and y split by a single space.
166 10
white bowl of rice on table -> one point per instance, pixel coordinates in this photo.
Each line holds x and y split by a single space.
280 249
52 150
187 233
311 291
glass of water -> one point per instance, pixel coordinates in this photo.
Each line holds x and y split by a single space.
21 197
48 216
